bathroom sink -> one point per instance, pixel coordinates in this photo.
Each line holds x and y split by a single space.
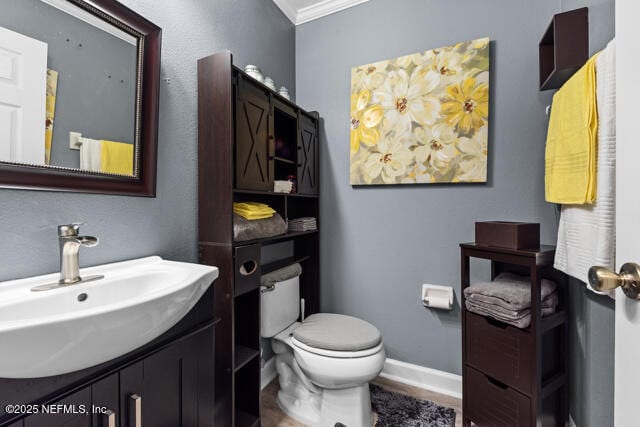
74 327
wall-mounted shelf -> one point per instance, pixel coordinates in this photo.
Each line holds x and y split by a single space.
564 48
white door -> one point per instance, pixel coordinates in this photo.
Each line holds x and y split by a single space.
627 351
23 86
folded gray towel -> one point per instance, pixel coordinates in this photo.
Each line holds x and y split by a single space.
549 305
507 290
245 229
285 273
523 322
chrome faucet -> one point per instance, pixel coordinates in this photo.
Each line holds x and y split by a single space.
70 244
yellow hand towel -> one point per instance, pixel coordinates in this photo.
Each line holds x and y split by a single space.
116 157
253 210
572 140
252 217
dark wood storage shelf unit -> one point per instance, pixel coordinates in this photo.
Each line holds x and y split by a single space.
523 371
249 136
564 47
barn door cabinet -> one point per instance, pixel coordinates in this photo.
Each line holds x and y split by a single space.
274 139
170 387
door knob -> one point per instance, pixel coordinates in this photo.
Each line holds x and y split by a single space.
602 279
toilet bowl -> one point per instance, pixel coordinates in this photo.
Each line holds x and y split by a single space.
324 363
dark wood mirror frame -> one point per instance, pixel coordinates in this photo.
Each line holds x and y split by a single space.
45 178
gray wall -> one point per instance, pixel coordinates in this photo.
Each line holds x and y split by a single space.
257 32
592 326
379 244
96 75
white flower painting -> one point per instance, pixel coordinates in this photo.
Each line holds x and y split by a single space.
422 118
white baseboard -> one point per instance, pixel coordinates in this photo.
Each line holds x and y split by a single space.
395 370
268 372
426 378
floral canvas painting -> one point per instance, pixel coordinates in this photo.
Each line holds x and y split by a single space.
422 118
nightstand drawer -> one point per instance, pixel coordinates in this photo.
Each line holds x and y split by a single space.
504 352
489 403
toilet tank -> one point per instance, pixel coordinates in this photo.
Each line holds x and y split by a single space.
280 307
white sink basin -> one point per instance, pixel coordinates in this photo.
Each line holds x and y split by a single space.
53 332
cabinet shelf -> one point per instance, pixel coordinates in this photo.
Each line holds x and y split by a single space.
273 193
243 356
276 265
283 160
276 239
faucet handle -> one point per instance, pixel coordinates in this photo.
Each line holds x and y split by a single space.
69 230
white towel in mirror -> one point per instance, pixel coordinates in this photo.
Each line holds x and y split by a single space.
90 155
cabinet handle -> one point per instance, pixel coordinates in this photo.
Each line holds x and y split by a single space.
108 419
135 410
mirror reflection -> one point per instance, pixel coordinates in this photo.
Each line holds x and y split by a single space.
68 89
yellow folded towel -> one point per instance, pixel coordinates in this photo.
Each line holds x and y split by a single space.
116 157
572 140
253 210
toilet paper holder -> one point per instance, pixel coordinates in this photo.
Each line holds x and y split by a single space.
436 296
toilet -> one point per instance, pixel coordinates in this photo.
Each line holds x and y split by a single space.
324 363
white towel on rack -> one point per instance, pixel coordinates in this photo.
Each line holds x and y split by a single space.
90 155
586 235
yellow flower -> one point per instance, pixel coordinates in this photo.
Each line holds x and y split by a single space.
468 106
364 120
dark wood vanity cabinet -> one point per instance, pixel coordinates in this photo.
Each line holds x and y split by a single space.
173 386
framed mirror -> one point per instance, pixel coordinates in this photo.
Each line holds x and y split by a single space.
79 84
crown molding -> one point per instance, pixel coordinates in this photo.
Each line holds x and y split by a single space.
315 11
289 10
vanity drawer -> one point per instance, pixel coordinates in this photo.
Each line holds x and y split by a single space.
489 403
247 269
502 351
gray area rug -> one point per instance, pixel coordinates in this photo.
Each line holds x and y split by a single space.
399 410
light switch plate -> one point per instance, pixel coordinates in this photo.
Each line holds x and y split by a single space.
74 142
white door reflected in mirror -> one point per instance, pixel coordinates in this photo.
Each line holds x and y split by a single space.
23 79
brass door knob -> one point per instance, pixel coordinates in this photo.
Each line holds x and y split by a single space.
602 279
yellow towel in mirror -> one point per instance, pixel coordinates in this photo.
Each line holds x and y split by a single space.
572 140
116 157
